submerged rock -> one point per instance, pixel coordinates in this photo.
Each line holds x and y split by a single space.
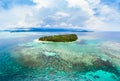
60 38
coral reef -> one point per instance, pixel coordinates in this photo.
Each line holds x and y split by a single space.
62 56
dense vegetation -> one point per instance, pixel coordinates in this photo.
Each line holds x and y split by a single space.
60 38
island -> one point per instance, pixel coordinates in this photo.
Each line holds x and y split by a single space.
60 38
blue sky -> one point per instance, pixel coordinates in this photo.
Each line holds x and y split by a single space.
99 15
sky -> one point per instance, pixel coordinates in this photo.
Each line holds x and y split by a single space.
98 15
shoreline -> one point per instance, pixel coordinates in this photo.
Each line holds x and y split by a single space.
38 41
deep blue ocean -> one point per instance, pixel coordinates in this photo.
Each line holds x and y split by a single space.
95 56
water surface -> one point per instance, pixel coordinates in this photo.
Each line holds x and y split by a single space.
93 57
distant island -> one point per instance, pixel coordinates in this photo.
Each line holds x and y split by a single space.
45 30
60 38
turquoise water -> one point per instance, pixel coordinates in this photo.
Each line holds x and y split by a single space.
95 56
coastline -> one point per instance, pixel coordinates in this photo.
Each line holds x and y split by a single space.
38 41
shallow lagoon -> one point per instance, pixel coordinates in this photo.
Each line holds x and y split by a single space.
93 57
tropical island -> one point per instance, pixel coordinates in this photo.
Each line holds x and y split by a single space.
60 38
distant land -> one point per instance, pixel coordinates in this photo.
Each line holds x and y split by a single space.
45 30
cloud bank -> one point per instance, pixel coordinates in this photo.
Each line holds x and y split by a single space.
100 15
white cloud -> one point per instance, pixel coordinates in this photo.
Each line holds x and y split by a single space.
105 20
42 3
108 13
10 18
60 15
18 17
94 3
94 24
85 5
72 13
